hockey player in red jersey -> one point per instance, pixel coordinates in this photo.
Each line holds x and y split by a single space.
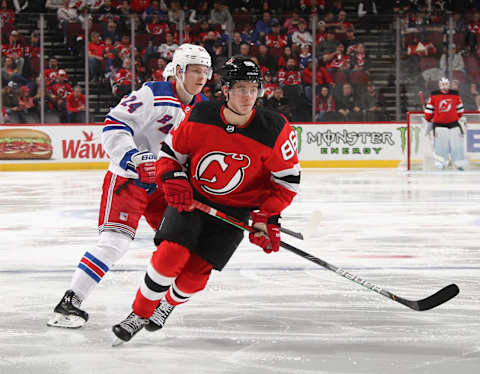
132 136
233 157
443 112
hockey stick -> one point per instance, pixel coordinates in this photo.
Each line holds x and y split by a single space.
420 93
233 221
429 302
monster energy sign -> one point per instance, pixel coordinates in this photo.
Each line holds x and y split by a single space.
346 141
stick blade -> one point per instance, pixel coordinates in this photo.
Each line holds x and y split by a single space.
430 302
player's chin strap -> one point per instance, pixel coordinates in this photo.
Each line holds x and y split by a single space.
238 114
226 105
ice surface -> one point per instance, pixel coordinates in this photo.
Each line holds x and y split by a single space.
409 233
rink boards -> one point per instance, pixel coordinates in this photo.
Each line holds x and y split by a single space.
372 144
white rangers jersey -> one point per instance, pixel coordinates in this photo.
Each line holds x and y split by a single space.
141 121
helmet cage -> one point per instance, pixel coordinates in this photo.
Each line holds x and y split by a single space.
444 84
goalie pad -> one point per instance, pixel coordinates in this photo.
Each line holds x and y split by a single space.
428 127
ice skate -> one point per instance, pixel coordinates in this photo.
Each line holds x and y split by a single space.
68 313
159 316
126 329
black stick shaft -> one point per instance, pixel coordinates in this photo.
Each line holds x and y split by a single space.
429 302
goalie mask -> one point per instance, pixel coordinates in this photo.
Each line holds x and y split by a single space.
444 84
243 69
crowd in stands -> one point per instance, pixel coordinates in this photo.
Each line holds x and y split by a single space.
434 48
278 36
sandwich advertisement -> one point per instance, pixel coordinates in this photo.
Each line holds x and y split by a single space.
51 146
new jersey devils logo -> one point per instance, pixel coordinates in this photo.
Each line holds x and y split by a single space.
445 105
220 173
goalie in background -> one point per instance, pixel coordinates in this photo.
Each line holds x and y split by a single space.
444 110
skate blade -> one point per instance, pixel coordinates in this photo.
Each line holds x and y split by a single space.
66 322
117 342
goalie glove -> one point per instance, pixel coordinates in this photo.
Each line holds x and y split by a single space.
178 190
268 235
428 127
143 163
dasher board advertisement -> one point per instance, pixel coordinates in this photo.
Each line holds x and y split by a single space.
51 146
373 144
78 146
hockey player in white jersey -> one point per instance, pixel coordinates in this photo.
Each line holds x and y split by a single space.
132 136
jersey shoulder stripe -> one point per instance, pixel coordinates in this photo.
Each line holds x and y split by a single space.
161 88
112 123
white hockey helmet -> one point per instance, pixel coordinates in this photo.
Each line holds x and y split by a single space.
169 71
444 83
188 54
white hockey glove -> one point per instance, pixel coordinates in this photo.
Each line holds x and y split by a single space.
428 127
143 162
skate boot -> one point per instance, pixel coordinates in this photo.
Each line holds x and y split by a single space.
159 316
126 329
68 313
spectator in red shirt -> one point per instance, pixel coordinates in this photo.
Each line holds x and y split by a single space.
139 6
157 27
268 85
275 39
321 31
14 49
359 59
27 112
122 81
322 78
52 71
290 79
287 53
339 60
325 106
157 74
291 23
57 94
76 106
7 17
342 24
95 56
473 31
123 47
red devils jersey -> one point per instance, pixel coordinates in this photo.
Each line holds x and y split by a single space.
444 108
251 166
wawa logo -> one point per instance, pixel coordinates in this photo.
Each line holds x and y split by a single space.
220 173
83 148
